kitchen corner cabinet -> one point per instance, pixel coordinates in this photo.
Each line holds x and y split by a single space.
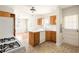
53 20
39 21
50 36
34 38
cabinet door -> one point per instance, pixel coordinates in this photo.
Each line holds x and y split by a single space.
37 37
39 21
53 35
53 20
48 35
31 38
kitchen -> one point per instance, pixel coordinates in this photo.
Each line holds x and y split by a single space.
37 32
34 27
43 33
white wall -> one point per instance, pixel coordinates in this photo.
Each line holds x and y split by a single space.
31 23
59 40
5 8
22 21
21 25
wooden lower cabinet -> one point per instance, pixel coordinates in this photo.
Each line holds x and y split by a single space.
54 36
50 36
34 38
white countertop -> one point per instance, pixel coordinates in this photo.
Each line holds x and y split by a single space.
40 30
36 30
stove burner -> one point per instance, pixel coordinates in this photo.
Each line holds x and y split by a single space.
8 46
6 39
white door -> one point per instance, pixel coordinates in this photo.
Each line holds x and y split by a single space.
70 30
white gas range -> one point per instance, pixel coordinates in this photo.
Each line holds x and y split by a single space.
11 45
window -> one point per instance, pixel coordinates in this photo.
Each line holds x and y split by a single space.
71 22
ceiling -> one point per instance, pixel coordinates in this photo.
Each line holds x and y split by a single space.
42 9
23 10
65 6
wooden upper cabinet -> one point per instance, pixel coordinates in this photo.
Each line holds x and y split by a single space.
39 21
53 20
4 14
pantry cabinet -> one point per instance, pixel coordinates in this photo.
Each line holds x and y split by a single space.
34 38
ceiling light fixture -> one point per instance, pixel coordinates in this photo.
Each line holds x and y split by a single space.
33 9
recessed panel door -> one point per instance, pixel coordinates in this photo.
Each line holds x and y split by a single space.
70 30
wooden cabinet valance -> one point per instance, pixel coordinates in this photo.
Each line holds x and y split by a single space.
5 14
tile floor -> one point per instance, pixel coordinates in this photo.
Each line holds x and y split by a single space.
49 47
